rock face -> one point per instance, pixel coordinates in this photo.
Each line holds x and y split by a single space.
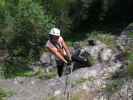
99 51
104 80
47 59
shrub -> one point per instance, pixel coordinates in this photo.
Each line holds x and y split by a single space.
24 29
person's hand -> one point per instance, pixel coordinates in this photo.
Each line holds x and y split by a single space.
65 62
69 62
70 58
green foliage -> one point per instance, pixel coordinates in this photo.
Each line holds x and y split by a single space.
130 34
25 74
2 3
82 95
44 74
106 38
130 63
76 97
1 71
130 56
14 69
60 9
31 27
82 80
130 69
23 31
4 94
52 98
40 73
113 85
24 24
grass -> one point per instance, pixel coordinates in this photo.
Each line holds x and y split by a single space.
130 69
13 70
25 74
113 85
106 38
83 95
43 74
19 71
83 80
1 72
130 56
2 94
76 97
130 34
5 94
51 98
130 63
92 60
80 95
61 97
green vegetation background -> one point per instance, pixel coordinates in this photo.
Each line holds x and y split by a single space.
24 25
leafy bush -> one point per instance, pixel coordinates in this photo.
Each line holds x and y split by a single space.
60 9
31 27
24 31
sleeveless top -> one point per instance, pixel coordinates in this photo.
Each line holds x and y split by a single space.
58 46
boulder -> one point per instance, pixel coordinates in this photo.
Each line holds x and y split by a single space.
47 59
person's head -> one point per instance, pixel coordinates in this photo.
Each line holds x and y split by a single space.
54 34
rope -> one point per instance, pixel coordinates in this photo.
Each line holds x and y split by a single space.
68 83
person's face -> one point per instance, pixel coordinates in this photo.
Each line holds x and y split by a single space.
55 38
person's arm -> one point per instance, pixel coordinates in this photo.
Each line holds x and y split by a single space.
57 54
66 49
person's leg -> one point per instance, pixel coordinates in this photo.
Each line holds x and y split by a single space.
60 65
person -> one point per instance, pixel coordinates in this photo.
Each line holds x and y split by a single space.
57 46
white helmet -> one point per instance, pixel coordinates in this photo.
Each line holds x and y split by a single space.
54 31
